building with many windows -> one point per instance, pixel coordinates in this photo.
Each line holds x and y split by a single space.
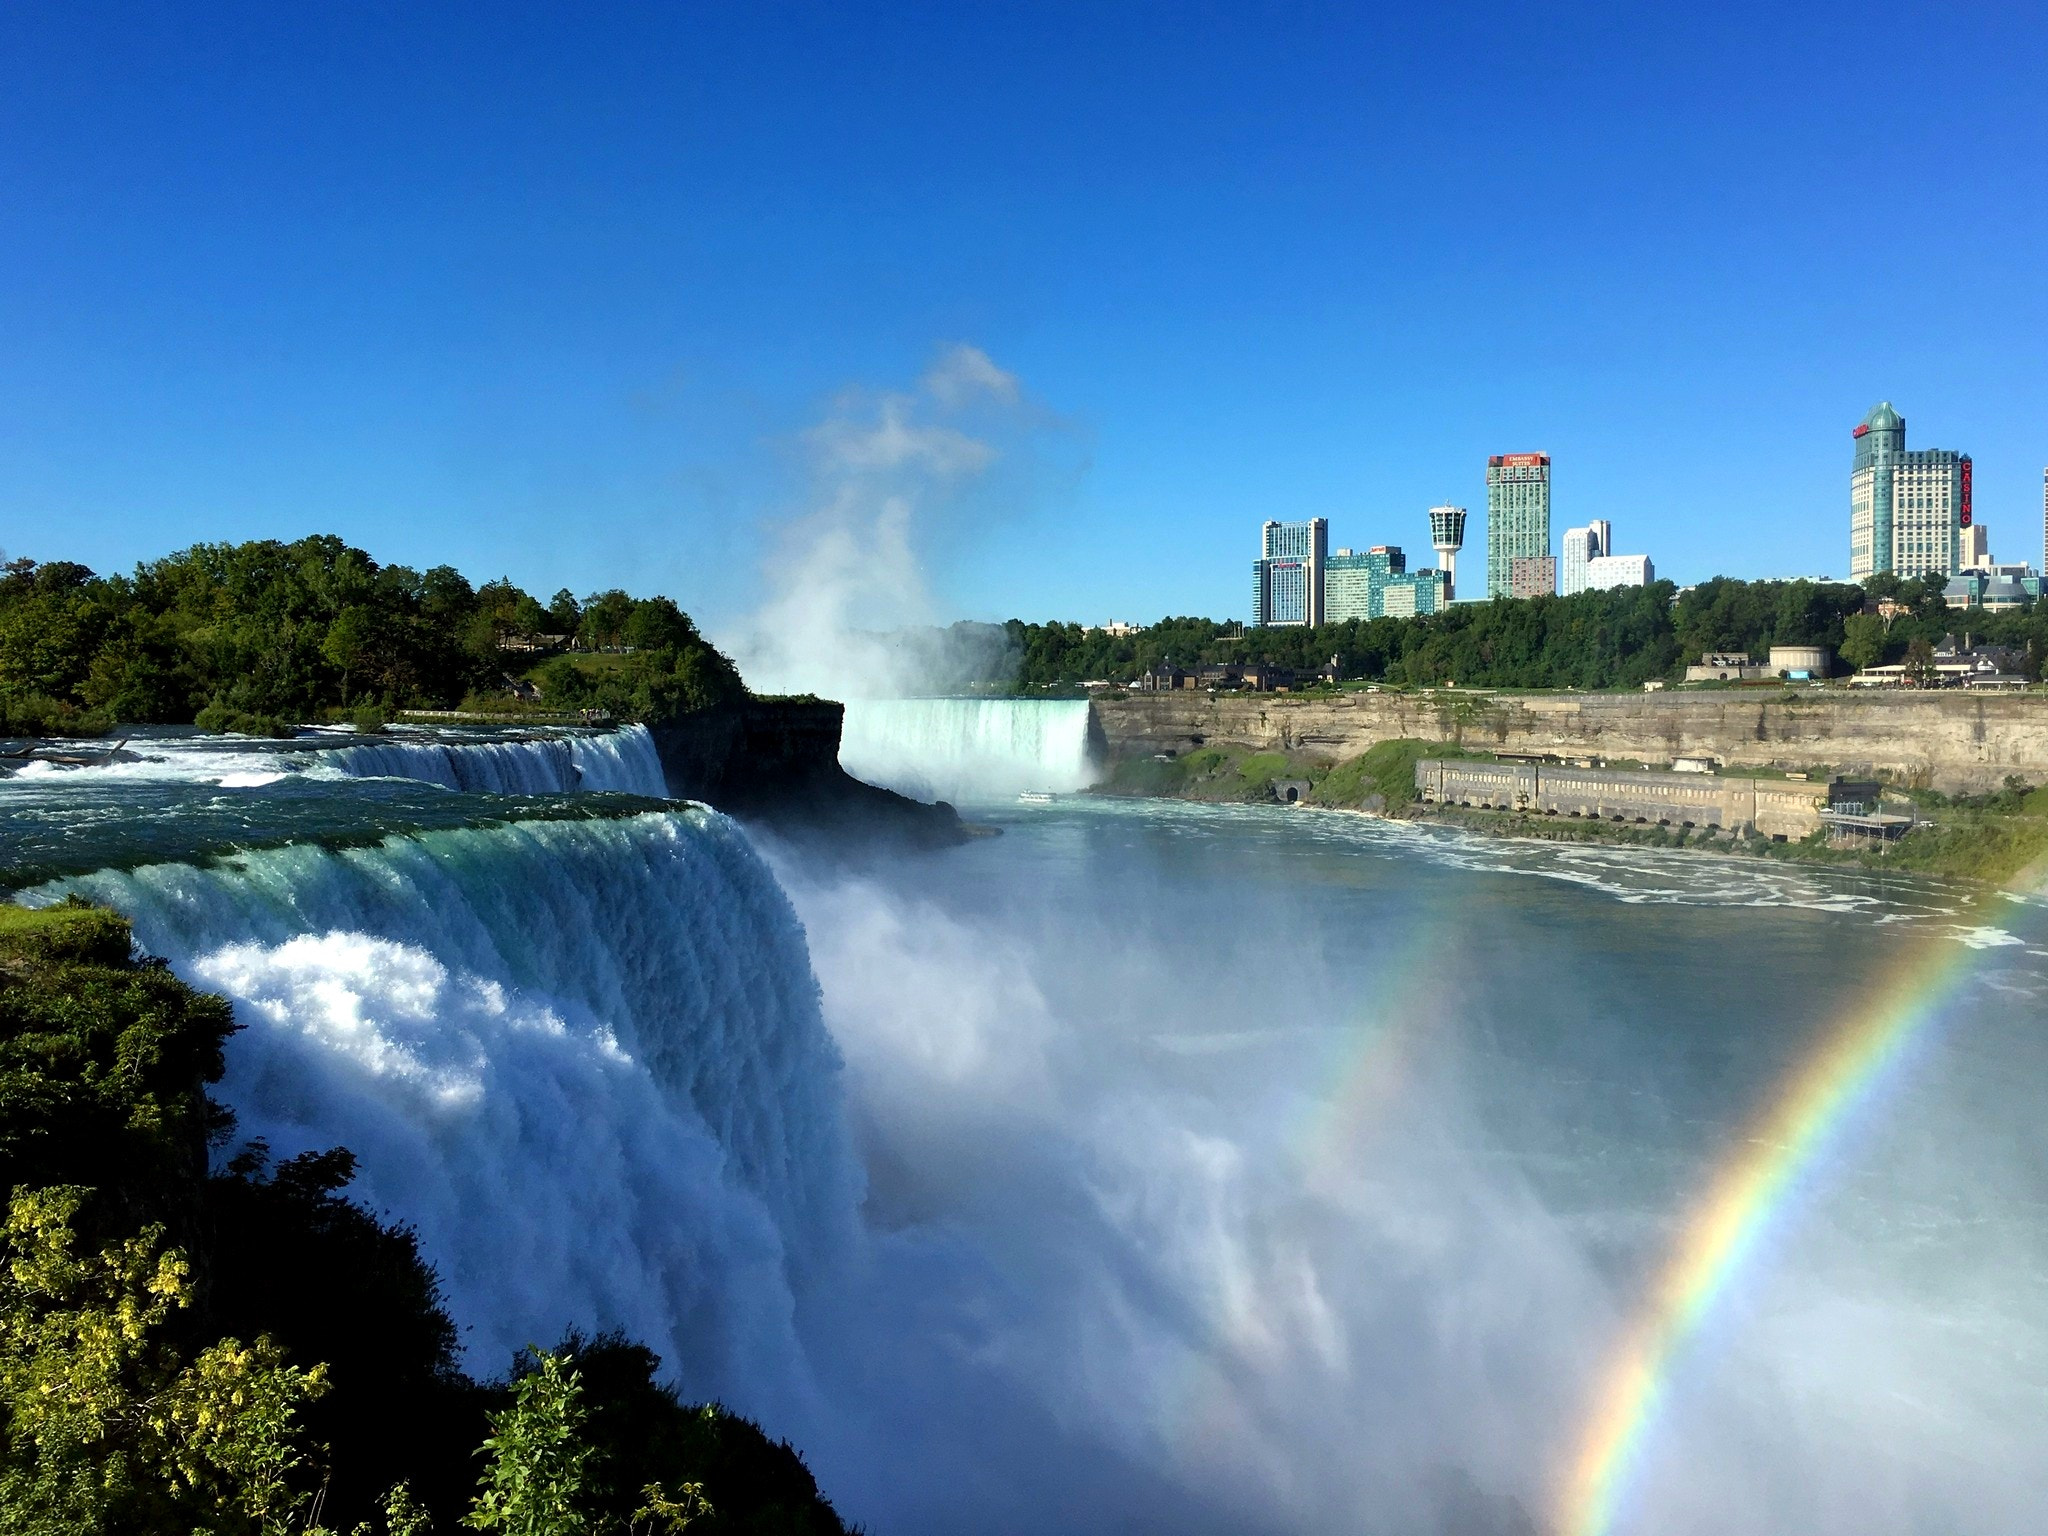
1287 578
1581 547
1377 584
1517 517
1907 509
1604 571
1975 554
1532 576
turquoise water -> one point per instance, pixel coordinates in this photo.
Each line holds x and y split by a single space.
1150 1165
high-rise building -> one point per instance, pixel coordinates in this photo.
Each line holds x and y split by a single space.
1581 547
1517 516
1378 585
1533 576
1447 534
1975 553
1604 571
2044 519
1907 510
1287 578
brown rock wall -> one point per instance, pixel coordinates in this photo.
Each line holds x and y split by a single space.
1950 740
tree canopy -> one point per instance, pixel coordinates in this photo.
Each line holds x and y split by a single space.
266 632
1618 638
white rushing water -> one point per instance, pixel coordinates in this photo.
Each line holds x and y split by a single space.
969 751
585 1057
1165 1167
623 760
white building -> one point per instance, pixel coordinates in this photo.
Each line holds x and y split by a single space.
1976 548
1582 546
1604 571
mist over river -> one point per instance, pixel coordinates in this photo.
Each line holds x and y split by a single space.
1155 1166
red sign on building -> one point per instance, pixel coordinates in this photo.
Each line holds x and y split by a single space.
1966 493
1861 430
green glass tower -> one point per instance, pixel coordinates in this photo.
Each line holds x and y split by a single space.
1517 516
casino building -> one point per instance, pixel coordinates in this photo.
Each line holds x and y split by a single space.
1517 520
1907 510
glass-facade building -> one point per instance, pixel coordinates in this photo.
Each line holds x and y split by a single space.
1517 516
1287 578
1377 584
1907 509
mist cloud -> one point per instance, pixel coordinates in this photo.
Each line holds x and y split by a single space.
890 480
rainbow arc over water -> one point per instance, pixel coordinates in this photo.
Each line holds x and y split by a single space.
1728 1228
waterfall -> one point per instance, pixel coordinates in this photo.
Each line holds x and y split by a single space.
586 1059
969 750
624 759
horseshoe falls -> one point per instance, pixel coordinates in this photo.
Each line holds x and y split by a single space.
969 751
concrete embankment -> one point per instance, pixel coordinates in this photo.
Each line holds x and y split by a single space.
1953 741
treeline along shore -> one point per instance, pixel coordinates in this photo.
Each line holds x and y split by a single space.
1619 638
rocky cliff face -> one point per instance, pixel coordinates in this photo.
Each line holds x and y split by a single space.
777 761
1953 741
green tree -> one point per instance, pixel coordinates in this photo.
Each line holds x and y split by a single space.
1863 639
108 1428
1920 670
538 1457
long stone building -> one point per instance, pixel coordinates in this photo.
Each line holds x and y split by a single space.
1779 808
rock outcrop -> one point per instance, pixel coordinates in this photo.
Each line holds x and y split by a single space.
776 761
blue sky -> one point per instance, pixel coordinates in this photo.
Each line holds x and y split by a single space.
564 292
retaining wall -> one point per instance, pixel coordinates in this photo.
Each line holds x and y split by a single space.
1950 740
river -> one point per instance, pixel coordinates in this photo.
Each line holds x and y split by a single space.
1152 1166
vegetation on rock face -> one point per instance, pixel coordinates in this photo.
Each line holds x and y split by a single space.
1619 638
254 637
1382 778
247 1352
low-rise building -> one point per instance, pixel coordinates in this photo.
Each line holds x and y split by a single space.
1777 808
1801 663
1728 667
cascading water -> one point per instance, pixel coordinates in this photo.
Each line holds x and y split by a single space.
586 1058
623 760
969 750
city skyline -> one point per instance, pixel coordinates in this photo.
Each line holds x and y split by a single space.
592 301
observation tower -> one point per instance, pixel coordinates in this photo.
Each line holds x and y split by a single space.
1447 533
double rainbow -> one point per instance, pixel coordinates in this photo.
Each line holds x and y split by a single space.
1729 1226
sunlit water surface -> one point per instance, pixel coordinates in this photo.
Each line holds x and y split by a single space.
1203 1169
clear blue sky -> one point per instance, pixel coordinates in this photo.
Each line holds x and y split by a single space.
551 291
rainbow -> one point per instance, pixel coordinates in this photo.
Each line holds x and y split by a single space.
1727 1228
